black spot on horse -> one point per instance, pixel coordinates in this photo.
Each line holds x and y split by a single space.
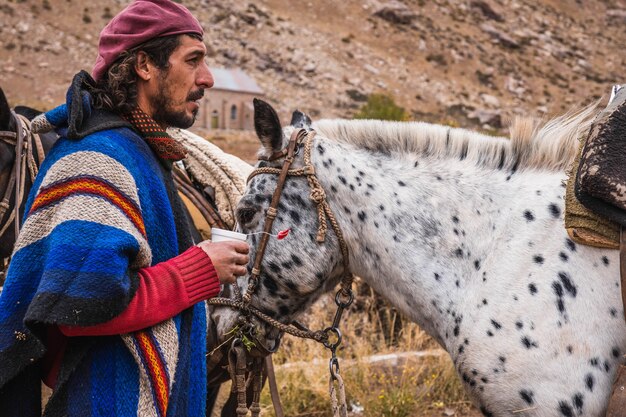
538 259
565 409
283 310
295 216
477 264
570 349
519 325
455 219
555 211
613 312
381 207
401 183
458 252
497 325
589 382
342 179
570 244
270 283
529 216
528 343
333 188
362 216
532 288
274 267
296 260
615 352
489 333
563 256
437 277
287 265
484 301
527 396
485 412
605 260
567 284
577 399
558 289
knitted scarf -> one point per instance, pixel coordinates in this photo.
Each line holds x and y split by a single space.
102 207
159 140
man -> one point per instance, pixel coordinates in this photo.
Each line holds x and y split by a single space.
103 299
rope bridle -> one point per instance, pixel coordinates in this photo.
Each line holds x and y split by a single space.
330 337
23 140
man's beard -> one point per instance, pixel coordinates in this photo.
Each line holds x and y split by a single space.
164 113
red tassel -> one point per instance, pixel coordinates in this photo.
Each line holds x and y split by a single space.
283 234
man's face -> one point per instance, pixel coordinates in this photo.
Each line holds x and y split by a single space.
178 89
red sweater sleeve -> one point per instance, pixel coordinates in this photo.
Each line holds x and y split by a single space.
164 290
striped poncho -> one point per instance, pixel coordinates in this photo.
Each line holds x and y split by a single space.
102 207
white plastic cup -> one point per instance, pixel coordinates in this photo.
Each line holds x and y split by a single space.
221 235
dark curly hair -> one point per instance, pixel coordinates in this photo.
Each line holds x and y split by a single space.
117 90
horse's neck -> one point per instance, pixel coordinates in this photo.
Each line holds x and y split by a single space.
425 233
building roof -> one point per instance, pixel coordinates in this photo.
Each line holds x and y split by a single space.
234 80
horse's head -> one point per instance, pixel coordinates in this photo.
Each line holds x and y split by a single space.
297 269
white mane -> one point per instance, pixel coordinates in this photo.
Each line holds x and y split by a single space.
533 145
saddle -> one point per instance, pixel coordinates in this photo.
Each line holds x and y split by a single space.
599 186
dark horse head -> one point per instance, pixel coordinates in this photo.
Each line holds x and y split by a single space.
7 166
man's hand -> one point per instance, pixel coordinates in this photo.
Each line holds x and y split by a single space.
229 258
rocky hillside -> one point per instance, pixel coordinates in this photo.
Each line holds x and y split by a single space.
470 62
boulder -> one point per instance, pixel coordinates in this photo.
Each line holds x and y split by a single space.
396 12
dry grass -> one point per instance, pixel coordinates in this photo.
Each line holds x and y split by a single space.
426 386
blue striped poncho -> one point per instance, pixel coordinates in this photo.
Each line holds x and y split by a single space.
101 208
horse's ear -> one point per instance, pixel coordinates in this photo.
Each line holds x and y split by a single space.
5 111
267 125
300 120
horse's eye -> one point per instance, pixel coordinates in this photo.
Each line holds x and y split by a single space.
245 215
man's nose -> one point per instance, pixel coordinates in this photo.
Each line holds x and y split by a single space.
205 78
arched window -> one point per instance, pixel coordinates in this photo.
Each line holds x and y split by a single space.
233 112
215 120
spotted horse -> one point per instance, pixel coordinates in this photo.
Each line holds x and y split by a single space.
464 234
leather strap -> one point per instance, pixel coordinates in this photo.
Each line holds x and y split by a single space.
185 186
622 265
271 378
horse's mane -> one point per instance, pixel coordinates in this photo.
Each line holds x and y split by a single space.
549 145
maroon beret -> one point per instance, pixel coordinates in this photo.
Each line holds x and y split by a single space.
139 22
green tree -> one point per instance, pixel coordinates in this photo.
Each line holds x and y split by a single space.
381 107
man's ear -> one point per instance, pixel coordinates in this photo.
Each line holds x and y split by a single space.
143 66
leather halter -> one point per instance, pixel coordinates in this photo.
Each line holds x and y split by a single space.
23 140
344 296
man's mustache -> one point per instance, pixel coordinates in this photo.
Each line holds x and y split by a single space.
196 95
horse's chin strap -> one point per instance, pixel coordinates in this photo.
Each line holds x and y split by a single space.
23 140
